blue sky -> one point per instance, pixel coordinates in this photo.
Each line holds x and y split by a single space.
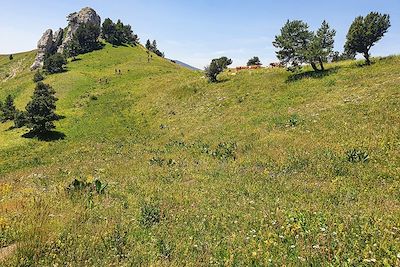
198 30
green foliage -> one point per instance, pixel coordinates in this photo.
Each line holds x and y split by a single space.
357 155
41 109
365 32
216 66
255 61
346 55
54 63
72 48
80 186
86 38
152 47
298 45
150 214
165 249
38 76
118 33
225 151
8 109
20 119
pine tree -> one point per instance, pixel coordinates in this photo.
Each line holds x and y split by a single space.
364 32
216 66
148 45
40 111
8 109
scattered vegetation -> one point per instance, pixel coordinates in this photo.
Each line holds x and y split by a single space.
224 186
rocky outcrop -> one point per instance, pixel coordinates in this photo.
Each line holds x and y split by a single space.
86 16
44 45
50 43
58 38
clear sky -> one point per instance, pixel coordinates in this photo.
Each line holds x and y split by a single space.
195 31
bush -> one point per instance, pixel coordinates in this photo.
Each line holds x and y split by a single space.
80 186
54 63
357 155
38 77
150 215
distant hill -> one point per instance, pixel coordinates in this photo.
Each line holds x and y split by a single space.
184 64
264 168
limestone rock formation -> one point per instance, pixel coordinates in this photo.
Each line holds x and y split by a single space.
44 45
58 38
50 43
86 16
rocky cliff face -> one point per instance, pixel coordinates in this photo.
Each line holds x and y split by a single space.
44 45
86 16
50 43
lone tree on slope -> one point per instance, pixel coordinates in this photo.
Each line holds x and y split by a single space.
364 32
255 61
217 66
40 111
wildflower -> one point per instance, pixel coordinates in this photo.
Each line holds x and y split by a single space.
292 246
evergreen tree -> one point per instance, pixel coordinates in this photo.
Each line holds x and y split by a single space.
364 32
148 45
54 63
298 45
118 33
293 42
321 45
87 37
8 109
37 77
255 61
40 111
72 49
216 66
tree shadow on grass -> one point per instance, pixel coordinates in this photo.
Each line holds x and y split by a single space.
47 137
312 74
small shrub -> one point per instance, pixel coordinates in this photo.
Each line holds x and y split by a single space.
294 120
225 151
357 155
164 249
150 215
81 186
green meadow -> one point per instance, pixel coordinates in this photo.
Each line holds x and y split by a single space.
264 168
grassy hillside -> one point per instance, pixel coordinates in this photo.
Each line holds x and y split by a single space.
253 170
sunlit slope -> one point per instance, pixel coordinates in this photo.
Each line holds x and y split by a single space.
251 169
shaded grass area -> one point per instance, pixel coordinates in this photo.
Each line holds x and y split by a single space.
251 171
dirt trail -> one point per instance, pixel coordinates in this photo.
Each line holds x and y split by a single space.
7 252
